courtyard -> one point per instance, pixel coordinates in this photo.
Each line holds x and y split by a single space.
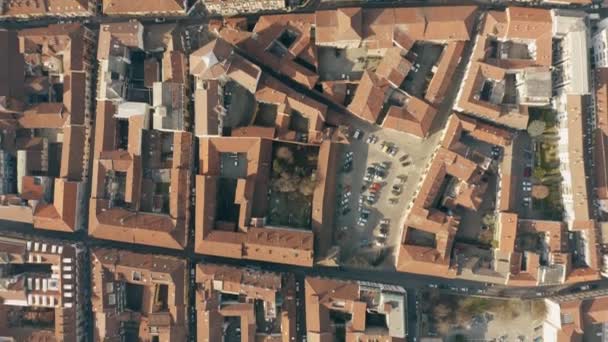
545 176
292 184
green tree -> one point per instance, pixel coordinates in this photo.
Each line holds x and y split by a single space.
539 173
285 153
307 185
460 338
277 166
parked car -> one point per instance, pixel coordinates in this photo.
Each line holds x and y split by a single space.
380 242
396 189
393 151
527 171
382 234
358 134
365 213
348 166
380 174
495 152
348 162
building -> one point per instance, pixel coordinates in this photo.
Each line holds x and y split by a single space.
574 319
456 179
232 203
566 256
234 7
138 296
41 291
360 311
599 41
282 42
572 45
236 187
379 100
601 138
300 46
509 69
20 9
143 153
145 8
45 125
259 305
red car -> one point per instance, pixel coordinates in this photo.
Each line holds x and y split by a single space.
528 172
375 186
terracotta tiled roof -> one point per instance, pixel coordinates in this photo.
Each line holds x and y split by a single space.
151 273
369 97
507 223
143 7
343 24
21 8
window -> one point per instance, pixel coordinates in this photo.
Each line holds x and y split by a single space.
37 180
136 276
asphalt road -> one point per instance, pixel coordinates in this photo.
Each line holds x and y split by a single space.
411 282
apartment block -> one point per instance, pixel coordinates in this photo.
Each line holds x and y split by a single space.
41 291
359 311
257 305
46 99
455 181
384 84
509 68
143 151
242 144
574 319
19 9
145 8
599 42
138 296
234 7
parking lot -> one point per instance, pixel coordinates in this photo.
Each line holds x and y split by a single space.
357 243
362 242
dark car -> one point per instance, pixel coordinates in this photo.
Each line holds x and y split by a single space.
348 166
528 172
345 210
380 174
